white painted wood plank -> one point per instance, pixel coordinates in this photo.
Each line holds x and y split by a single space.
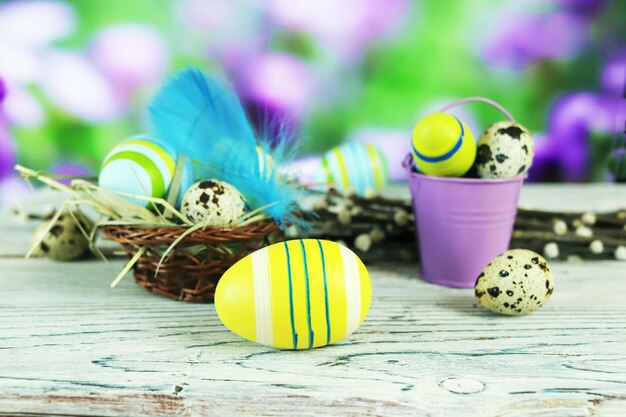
574 197
15 236
70 345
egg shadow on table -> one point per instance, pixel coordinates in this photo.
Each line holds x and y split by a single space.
466 304
462 301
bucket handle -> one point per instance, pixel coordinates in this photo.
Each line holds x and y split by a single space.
481 100
408 163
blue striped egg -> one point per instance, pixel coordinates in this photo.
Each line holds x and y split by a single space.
138 166
356 165
298 294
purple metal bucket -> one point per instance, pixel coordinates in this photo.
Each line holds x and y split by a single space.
461 223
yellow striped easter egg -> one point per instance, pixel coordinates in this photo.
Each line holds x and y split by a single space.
138 166
298 294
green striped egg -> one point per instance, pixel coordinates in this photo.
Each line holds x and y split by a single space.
356 165
299 294
138 166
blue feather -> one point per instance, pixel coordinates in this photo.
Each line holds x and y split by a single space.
202 118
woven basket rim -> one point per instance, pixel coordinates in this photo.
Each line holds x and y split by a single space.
147 235
186 274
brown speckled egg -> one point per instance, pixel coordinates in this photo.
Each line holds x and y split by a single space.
214 203
63 240
505 150
515 283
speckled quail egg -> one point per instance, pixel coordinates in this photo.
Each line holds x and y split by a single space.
505 150
62 239
515 283
214 203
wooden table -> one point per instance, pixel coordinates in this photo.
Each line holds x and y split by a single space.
69 345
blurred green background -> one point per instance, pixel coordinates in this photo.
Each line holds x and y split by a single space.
76 76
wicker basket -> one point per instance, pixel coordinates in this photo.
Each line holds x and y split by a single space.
192 269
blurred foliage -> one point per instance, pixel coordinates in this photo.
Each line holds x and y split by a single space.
432 56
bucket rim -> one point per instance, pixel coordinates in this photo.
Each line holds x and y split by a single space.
423 177
408 164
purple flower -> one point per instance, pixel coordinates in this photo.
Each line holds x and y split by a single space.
281 82
546 165
3 90
71 169
342 27
75 85
7 149
520 40
231 32
614 74
130 55
573 118
27 30
7 152
34 24
22 107
583 7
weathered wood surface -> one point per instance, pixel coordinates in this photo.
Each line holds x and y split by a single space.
69 345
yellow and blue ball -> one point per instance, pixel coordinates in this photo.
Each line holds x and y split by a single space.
298 294
140 167
443 146
357 166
